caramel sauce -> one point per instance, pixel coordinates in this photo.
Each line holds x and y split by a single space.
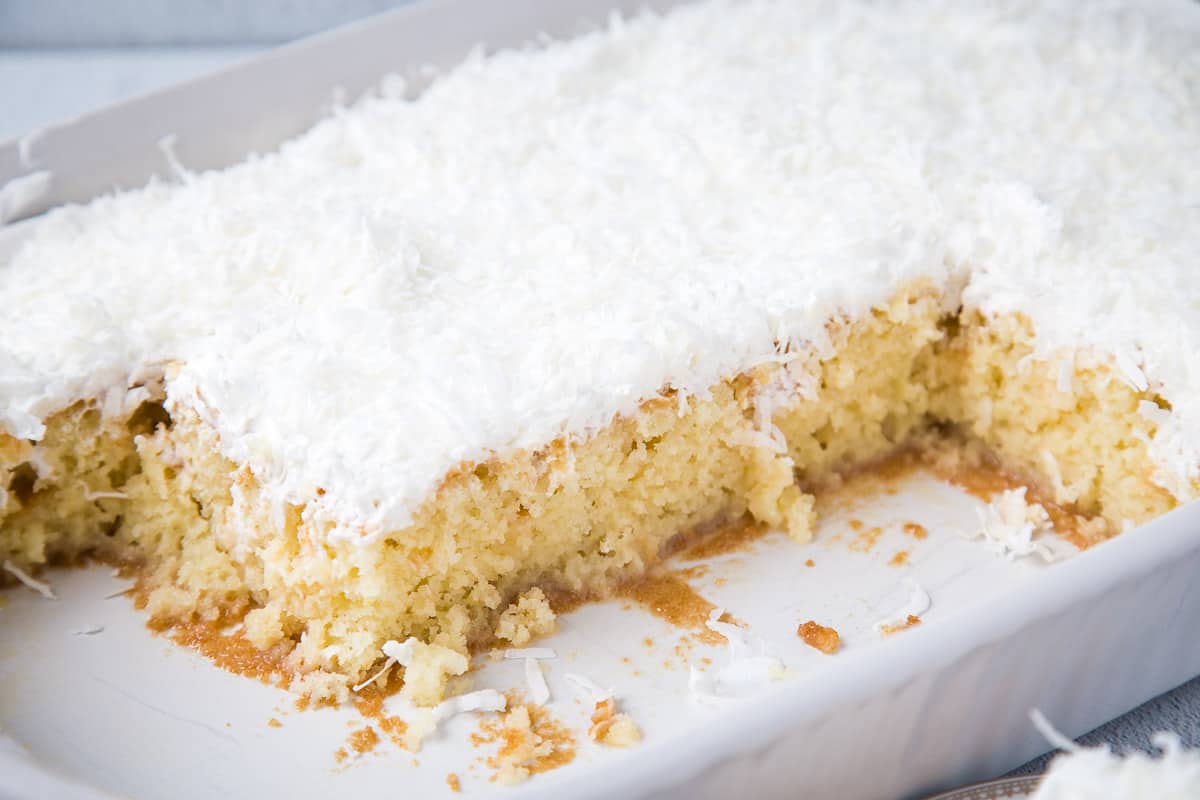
735 537
916 531
233 652
819 637
671 599
693 572
810 563
866 482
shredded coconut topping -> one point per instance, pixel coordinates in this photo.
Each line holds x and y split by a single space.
1014 528
918 603
659 205
41 587
1097 773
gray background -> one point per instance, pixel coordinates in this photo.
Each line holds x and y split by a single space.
59 58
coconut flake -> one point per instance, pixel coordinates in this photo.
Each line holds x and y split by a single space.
1014 528
592 689
1131 371
739 646
918 603
90 495
388 664
397 653
539 692
749 666
167 145
483 700
24 577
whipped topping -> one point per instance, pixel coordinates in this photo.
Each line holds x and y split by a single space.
1097 773
547 237
1014 528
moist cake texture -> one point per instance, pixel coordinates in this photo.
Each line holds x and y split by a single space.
441 353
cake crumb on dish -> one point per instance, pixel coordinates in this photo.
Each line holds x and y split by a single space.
531 616
612 728
820 637
453 782
363 740
531 741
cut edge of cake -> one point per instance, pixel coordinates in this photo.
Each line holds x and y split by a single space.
141 481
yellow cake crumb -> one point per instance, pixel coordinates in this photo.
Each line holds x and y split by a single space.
820 637
531 741
431 668
526 619
613 728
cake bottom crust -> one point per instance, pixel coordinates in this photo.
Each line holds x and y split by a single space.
578 517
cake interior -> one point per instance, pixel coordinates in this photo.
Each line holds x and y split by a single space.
151 491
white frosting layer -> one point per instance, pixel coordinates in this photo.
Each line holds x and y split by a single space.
546 238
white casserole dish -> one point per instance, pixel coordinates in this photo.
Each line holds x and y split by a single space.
944 703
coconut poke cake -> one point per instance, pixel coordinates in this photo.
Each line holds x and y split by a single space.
454 351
